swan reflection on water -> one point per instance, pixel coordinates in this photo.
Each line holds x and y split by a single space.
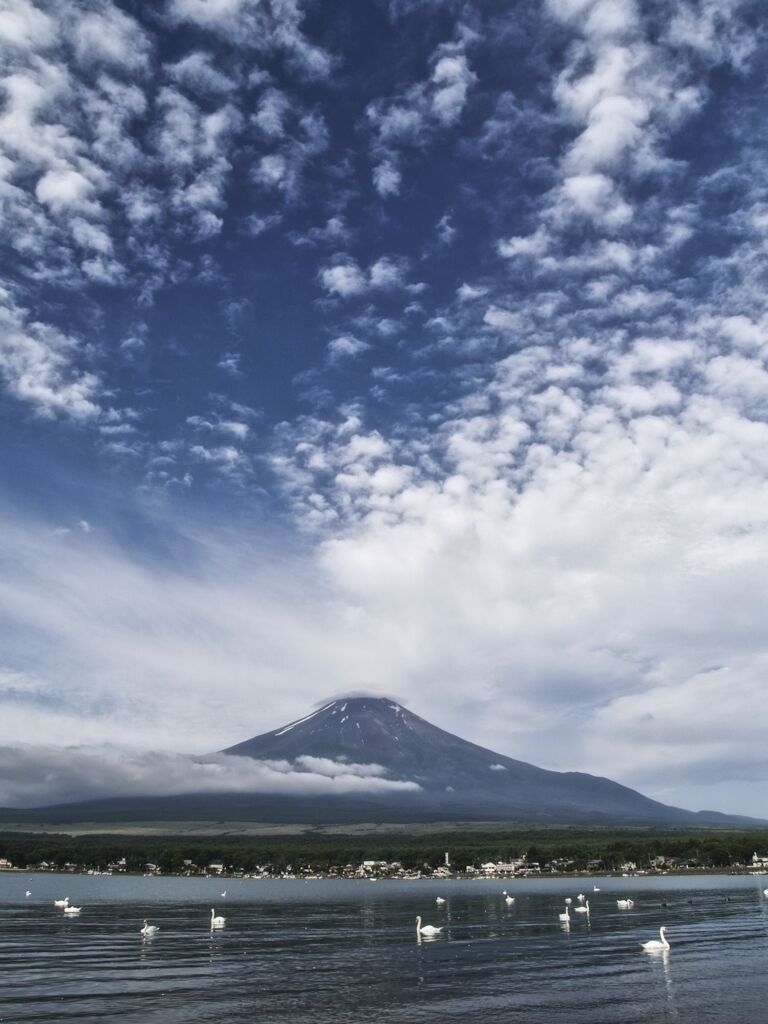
661 956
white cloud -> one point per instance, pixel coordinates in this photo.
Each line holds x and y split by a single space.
106 35
413 117
521 245
197 72
387 178
38 364
25 26
452 78
346 278
468 292
253 24
346 347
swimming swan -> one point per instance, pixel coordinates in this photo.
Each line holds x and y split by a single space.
217 922
61 903
582 910
566 916
72 910
625 904
439 900
654 944
149 929
509 900
427 929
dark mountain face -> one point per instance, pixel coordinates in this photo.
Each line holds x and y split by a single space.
455 780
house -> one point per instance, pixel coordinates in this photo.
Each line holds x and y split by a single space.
501 867
758 860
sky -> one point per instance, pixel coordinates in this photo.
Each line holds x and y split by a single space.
412 346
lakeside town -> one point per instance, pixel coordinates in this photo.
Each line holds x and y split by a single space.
519 867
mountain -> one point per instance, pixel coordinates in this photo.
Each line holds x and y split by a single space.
422 773
457 779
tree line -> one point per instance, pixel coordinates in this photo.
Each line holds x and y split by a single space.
579 849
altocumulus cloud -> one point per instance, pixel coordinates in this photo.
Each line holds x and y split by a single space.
527 484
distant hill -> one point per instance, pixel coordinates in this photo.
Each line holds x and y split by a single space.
457 781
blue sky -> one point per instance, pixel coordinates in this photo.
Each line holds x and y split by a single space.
418 346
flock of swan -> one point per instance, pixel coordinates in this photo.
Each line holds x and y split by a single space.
653 945
148 930
218 921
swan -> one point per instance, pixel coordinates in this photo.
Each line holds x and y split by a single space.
582 910
72 910
427 929
61 903
566 916
28 892
765 892
654 944
439 900
149 929
595 889
224 893
581 897
509 900
568 901
625 904
217 922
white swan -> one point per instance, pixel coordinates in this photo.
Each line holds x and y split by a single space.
72 910
149 929
765 892
581 897
566 916
625 904
61 903
427 929
595 889
654 944
224 893
509 900
582 910
439 900
217 922
28 892
568 901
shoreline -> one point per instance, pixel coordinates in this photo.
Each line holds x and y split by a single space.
457 877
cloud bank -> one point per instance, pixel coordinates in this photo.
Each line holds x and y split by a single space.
35 776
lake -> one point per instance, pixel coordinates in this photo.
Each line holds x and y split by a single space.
347 952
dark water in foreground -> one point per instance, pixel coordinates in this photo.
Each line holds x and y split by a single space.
346 952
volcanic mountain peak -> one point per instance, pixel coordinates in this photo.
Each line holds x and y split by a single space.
360 729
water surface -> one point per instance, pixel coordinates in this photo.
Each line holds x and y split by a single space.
347 952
